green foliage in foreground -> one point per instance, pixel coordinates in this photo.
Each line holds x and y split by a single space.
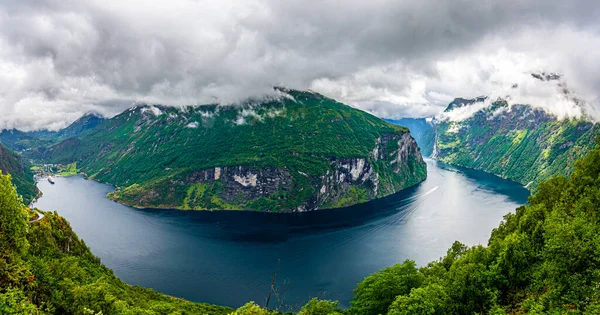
46 269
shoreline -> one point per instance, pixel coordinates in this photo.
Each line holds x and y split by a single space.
86 177
526 186
379 199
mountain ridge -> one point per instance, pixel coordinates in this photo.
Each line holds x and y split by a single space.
300 151
518 142
20 141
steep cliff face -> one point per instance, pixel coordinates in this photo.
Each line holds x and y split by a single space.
394 164
299 151
422 129
518 142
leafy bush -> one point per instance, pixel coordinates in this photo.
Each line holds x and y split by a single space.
320 307
377 292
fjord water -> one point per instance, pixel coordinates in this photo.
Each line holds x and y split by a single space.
229 257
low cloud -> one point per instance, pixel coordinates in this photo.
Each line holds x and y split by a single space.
464 112
192 125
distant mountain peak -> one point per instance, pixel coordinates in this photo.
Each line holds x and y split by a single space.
462 102
543 76
545 91
93 114
83 124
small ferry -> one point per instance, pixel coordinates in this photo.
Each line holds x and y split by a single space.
51 180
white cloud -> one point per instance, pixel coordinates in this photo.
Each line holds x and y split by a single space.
259 114
192 125
62 58
464 112
152 109
484 71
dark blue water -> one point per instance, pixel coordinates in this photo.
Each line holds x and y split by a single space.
228 258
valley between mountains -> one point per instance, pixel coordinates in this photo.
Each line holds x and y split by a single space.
302 152
298 151
268 157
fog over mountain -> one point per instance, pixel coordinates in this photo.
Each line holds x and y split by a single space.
63 58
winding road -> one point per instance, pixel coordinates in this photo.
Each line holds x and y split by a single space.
40 216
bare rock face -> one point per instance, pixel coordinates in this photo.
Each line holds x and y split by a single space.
401 154
243 182
395 163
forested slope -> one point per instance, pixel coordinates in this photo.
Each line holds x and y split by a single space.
299 152
22 177
518 142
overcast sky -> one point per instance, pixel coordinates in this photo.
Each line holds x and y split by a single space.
62 58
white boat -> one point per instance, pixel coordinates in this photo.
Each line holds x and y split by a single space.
51 180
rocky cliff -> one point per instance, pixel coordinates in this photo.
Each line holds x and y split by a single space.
394 164
422 129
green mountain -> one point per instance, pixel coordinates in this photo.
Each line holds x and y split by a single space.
80 126
17 140
12 163
520 142
422 129
77 128
300 151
